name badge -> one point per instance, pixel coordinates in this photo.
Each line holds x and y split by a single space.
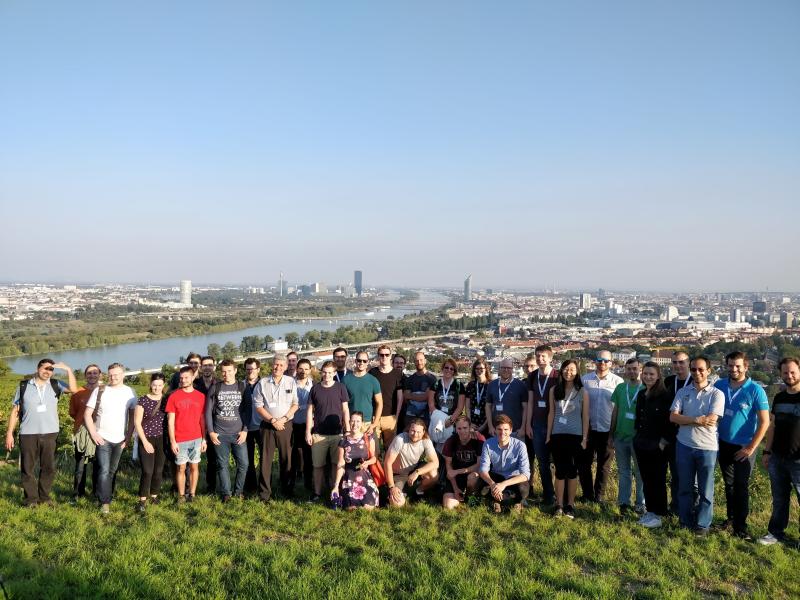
499 407
630 415
41 408
562 420
477 411
542 404
272 404
728 412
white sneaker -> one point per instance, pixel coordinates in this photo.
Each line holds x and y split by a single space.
645 517
653 522
768 540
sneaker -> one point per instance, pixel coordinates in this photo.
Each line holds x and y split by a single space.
645 517
743 535
726 525
315 499
517 508
154 500
768 540
640 509
497 507
569 511
225 499
653 522
190 497
105 509
625 509
558 512
701 531
181 499
142 506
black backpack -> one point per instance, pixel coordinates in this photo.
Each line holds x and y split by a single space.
23 385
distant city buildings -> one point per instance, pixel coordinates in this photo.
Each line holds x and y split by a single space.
358 282
585 301
186 292
468 288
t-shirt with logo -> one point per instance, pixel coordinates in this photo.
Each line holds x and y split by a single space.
739 423
446 399
463 455
189 410
224 410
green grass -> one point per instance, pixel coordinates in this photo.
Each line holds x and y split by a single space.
293 550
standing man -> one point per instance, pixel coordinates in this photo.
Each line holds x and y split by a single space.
203 384
540 381
507 395
623 419
301 450
600 385
530 365
252 369
226 423
392 382
340 360
35 405
741 430
418 392
275 399
81 440
680 378
109 419
399 362
696 410
365 393
291 364
186 427
781 456
192 360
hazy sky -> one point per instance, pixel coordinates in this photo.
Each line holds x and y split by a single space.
635 145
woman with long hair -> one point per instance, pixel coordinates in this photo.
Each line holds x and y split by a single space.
475 394
148 418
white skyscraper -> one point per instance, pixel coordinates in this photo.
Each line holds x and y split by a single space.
586 301
186 292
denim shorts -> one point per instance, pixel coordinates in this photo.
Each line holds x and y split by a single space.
188 452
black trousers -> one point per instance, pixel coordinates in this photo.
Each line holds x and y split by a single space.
653 469
596 449
211 466
736 475
512 495
251 479
152 468
79 476
37 448
301 457
272 439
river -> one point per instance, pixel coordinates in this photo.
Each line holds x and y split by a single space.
147 355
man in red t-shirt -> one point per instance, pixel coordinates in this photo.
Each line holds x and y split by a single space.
187 432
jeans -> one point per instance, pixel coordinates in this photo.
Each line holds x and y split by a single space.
625 454
784 476
695 463
39 448
597 444
227 446
107 457
736 475
542 454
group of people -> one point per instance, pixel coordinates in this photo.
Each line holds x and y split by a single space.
359 429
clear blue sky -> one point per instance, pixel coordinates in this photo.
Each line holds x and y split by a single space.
634 145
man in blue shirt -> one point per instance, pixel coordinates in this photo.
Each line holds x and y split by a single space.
741 430
504 466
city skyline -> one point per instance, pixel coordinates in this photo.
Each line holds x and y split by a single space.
584 146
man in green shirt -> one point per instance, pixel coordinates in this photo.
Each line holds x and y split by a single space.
623 419
365 393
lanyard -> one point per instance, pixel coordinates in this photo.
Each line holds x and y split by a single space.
685 383
732 398
565 402
478 392
628 394
542 388
446 390
500 392
40 392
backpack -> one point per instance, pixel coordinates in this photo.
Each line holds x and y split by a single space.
23 385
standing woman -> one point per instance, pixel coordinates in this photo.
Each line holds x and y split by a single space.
353 479
567 433
476 394
148 419
651 442
448 395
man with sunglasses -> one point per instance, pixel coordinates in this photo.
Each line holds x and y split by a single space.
696 410
35 405
392 382
365 393
600 385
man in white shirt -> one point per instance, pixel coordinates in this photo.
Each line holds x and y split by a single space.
110 426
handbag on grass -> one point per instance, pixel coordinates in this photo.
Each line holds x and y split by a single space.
376 468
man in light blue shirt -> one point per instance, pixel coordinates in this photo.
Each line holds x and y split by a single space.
504 467
741 430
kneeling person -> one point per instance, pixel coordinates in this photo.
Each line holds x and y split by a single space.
461 452
402 462
504 466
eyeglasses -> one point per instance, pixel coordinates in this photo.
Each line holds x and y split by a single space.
602 360
362 360
447 368
384 354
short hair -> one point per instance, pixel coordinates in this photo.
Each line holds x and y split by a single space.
630 361
362 352
704 358
679 352
421 423
279 357
789 359
339 349
205 358
292 353
304 361
252 361
383 347
227 363
45 361
115 365
186 369
326 364
400 356
192 355
543 348
452 363
91 366
357 412
157 377
503 419
460 418
736 356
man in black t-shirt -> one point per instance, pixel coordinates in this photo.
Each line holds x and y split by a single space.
781 456
392 382
680 379
462 453
418 391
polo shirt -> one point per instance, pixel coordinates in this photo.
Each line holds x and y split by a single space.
740 421
600 405
690 402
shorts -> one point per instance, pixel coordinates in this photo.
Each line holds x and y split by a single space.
400 479
566 450
323 447
188 452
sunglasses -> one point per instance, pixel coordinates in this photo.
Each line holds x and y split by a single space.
362 360
49 368
383 354
602 360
